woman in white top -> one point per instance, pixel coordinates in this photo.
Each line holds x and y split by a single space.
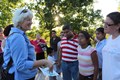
111 51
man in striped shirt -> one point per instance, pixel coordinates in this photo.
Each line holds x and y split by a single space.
69 54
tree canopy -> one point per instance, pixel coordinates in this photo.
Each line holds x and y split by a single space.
7 8
50 14
78 13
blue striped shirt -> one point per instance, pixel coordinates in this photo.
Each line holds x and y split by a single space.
22 52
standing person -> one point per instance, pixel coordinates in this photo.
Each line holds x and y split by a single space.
111 51
1 38
6 33
69 54
87 57
52 59
20 50
100 35
53 43
40 46
1 52
59 69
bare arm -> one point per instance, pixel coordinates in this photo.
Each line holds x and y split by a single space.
95 64
59 57
43 62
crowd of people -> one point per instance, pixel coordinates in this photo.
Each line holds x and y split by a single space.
71 54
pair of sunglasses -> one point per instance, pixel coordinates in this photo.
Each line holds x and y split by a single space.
24 11
108 24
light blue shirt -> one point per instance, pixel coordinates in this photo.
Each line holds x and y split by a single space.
99 47
22 52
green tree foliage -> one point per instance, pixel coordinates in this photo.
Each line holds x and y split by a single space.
6 10
52 13
78 13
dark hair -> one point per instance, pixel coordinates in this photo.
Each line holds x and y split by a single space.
67 26
115 17
100 29
53 31
7 30
49 50
87 36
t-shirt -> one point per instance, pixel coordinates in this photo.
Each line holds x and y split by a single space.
99 47
111 59
58 44
38 48
69 49
53 42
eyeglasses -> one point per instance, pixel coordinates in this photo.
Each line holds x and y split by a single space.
109 24
24 11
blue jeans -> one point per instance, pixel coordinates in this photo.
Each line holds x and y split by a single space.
70 70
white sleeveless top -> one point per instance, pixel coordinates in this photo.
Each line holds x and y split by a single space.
86 67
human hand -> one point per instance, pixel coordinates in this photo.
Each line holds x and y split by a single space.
51 68
50 65
58 63
39 43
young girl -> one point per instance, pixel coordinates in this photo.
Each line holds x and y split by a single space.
87 57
